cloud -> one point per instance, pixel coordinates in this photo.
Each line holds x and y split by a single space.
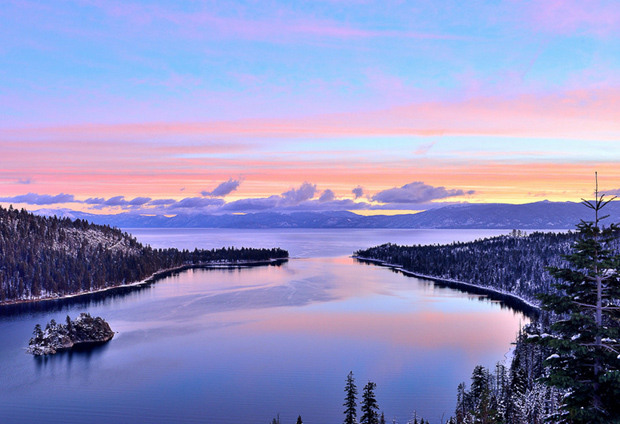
116 201
39 199
595 17
139 201
327 196
358 192
285 26
162 202
416 192
146 204
294 196
287 200
195 203
223 189
24 181
614 192
252 204
591 114
112 201
424 148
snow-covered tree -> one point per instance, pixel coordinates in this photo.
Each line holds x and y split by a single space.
37 333
369 407
584 337
350 400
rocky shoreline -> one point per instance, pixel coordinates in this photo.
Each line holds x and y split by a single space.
56 337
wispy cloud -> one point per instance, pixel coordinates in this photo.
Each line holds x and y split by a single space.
573 17
424 148
589 114
283 27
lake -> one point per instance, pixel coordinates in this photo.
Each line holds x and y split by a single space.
242 345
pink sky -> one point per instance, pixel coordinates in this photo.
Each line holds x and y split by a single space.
512 102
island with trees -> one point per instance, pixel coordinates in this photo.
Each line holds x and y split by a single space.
51 257
56 337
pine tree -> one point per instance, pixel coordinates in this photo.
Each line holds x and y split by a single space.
369 407
299 421
37 333
518 388
586 358
350 400
461 403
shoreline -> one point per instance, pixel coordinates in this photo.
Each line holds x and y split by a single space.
157 275
449 282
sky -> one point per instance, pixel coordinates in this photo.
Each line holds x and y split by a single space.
245 106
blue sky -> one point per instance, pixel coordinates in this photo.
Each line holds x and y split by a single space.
511 101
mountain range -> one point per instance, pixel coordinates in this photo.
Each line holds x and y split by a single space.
542 215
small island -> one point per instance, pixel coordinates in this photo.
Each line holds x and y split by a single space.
83 330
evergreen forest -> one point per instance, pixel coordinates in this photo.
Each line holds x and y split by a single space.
513 264
565 367
46 257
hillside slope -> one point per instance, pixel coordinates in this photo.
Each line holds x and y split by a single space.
43 257
514 265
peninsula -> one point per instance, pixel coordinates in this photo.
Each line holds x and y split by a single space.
50 257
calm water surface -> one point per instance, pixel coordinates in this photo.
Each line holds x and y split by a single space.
241 345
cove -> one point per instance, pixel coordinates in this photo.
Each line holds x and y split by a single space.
244 344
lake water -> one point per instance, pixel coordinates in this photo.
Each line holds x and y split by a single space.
242 345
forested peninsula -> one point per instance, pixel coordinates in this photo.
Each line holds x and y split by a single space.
564 367
514 264
50 257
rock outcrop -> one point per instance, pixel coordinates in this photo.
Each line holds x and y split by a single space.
57 337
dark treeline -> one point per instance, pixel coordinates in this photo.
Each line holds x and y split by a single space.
50 256
514 264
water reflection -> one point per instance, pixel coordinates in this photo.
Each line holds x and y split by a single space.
85 354
116 294
220 345
472 292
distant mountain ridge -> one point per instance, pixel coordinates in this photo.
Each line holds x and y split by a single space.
543 215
